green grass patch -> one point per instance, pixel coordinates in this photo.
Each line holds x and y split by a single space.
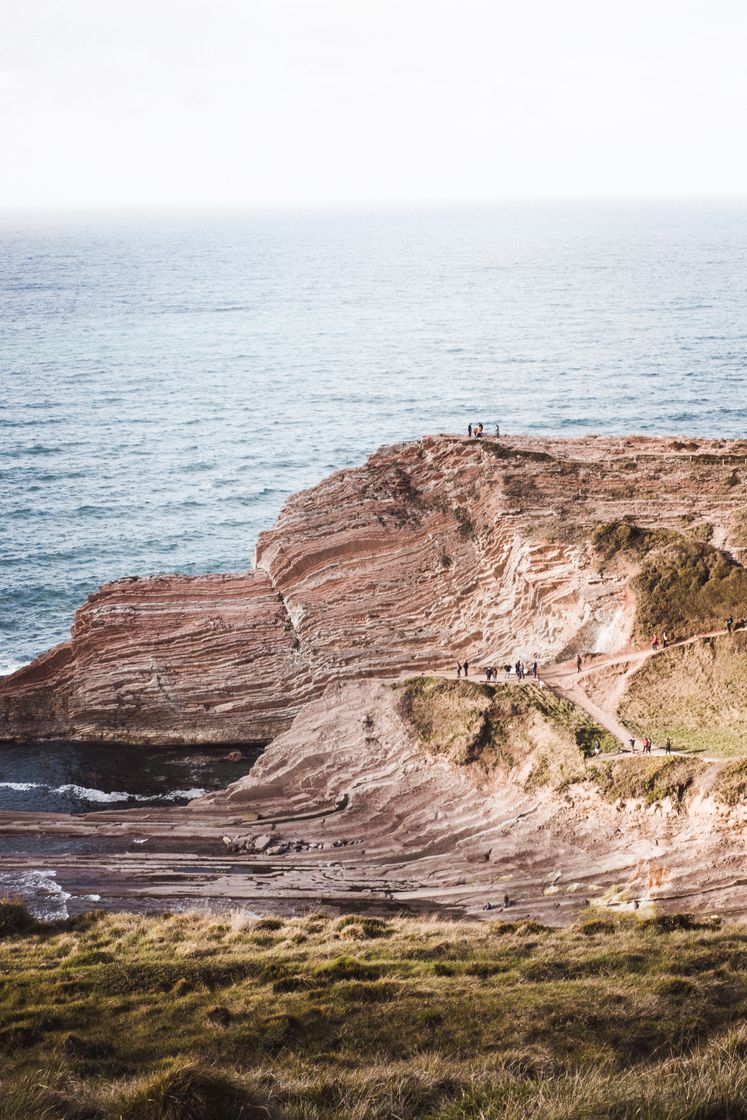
695 694
683 584
431 1020
488 726
645 779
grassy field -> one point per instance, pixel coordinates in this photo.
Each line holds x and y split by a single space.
361 1018
696 694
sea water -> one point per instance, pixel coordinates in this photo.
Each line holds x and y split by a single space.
167 380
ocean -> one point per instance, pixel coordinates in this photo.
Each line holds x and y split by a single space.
167 380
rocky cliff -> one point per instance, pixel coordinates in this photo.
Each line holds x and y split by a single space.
435 550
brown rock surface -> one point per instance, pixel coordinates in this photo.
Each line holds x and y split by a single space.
350 808
432 550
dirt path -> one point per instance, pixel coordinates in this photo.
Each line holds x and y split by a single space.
565 680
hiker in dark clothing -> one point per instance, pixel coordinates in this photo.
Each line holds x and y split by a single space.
518 667
469 429
497 431
506 902
729 624
578 662
632 745
459 668
534 669
466 668
667 745
507 671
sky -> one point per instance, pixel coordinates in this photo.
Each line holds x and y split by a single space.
357 102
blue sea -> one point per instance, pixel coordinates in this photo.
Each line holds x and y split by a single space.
167 380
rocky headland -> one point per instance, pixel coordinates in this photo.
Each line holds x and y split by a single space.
386 783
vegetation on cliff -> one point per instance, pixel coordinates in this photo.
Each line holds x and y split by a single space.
499 725
187 1017
683 585
696 694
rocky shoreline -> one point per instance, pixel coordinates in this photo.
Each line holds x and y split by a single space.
434 551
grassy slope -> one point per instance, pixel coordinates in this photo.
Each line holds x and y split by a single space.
683 585
364 1019
498 725
696 694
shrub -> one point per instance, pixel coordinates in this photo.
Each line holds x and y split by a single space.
14 918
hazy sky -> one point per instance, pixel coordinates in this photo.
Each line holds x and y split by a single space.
107 102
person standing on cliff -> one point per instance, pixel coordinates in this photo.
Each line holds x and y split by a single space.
459 668
534 669
469 430
667 745
466 668
578 663
729 624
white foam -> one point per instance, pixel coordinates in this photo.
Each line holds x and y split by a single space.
8 667
84 793
40 891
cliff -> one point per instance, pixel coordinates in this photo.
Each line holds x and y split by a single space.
435 550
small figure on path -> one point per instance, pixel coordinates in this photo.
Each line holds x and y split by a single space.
459 668
597 746
647 745
578 663
506 902
477 431
469 430
507 671
632 745
729 624
665 639
488 906
466 668
655 642
534 669
667 745
497 431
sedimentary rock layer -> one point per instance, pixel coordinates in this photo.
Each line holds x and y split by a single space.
434 550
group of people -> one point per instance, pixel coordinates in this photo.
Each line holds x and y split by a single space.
491 673
476 431
649 745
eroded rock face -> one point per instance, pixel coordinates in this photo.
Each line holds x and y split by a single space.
435 550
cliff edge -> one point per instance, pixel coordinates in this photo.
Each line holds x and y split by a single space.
433 551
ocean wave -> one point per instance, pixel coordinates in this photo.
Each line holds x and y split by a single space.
84 793
39 888
8 667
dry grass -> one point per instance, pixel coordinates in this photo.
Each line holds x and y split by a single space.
683 585
502 725
360 1018
696 694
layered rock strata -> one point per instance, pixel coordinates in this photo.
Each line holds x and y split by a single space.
351 808
434 550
